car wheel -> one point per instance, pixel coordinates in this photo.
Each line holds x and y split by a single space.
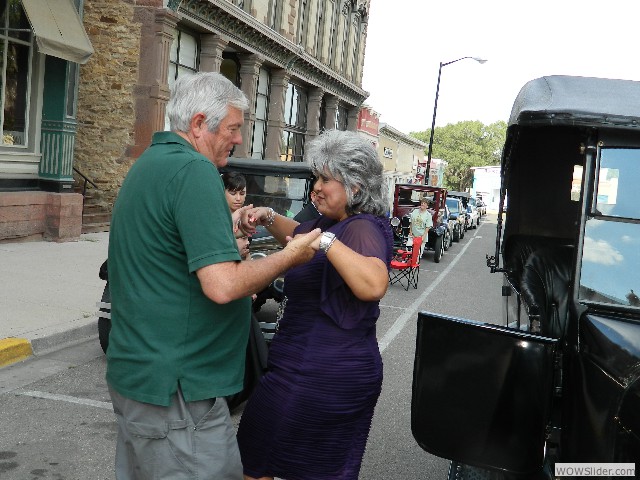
461 233
447 240
104 322
438 249
456 233
460 471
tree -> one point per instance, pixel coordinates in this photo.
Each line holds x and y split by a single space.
464 145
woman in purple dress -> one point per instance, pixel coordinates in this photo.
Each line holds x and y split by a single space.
309 418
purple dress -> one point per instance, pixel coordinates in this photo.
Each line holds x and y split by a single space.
309 418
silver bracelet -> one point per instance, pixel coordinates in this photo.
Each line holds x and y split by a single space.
271 217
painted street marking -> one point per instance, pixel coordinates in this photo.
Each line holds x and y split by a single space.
67 398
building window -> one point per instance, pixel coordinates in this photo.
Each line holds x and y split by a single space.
230 68
323 115
356 48
16 52
275 14
319 41
262 110
333 33
341 118
302 23
184 56
346 40
72 82
295 118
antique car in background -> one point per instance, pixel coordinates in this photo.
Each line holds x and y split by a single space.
457 218
473 216
406 198
465 198
557 379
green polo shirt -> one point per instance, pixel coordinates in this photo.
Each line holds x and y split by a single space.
170 219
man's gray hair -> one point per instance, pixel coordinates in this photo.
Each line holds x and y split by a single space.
206 92
353 161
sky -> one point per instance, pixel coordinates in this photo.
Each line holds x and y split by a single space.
408 39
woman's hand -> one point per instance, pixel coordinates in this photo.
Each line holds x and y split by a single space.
250 217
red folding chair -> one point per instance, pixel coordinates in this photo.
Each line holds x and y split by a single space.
406 266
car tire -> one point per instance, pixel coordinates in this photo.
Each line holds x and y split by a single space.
438 249
447 240
104 324
462 233
460 471
456 233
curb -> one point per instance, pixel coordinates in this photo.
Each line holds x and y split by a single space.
13 350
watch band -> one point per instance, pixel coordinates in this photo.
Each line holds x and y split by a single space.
326 240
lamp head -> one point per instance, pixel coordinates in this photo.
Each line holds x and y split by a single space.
479 60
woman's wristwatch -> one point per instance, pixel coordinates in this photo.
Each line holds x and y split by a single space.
326 240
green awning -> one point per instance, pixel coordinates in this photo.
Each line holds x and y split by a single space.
58 29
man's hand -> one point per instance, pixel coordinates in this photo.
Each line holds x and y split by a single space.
301 247
238 224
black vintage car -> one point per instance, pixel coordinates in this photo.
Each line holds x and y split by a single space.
557 379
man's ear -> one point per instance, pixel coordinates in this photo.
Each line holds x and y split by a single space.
199 124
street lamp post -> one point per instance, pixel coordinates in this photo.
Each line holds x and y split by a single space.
435 109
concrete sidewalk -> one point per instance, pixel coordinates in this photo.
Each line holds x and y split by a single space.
48 294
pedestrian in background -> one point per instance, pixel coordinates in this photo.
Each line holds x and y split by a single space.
235 191
310 415
420 222
180 294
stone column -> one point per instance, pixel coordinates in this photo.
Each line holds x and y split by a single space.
152 92
275 122
313 112
331 108
249 73
352 119
211 48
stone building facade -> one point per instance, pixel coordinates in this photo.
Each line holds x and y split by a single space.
298 61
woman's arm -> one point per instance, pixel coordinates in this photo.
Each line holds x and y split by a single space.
367 277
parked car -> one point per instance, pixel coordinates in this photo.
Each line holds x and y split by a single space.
481 206
473 217
465 199
406 198
457 217
556 380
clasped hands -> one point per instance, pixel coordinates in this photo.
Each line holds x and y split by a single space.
247 218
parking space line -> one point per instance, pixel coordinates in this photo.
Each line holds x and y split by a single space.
412 310
66 398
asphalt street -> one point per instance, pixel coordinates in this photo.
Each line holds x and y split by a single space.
57 419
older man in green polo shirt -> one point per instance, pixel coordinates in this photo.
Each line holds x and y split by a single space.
180 294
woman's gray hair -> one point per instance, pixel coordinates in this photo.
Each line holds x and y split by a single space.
353 161
207 92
